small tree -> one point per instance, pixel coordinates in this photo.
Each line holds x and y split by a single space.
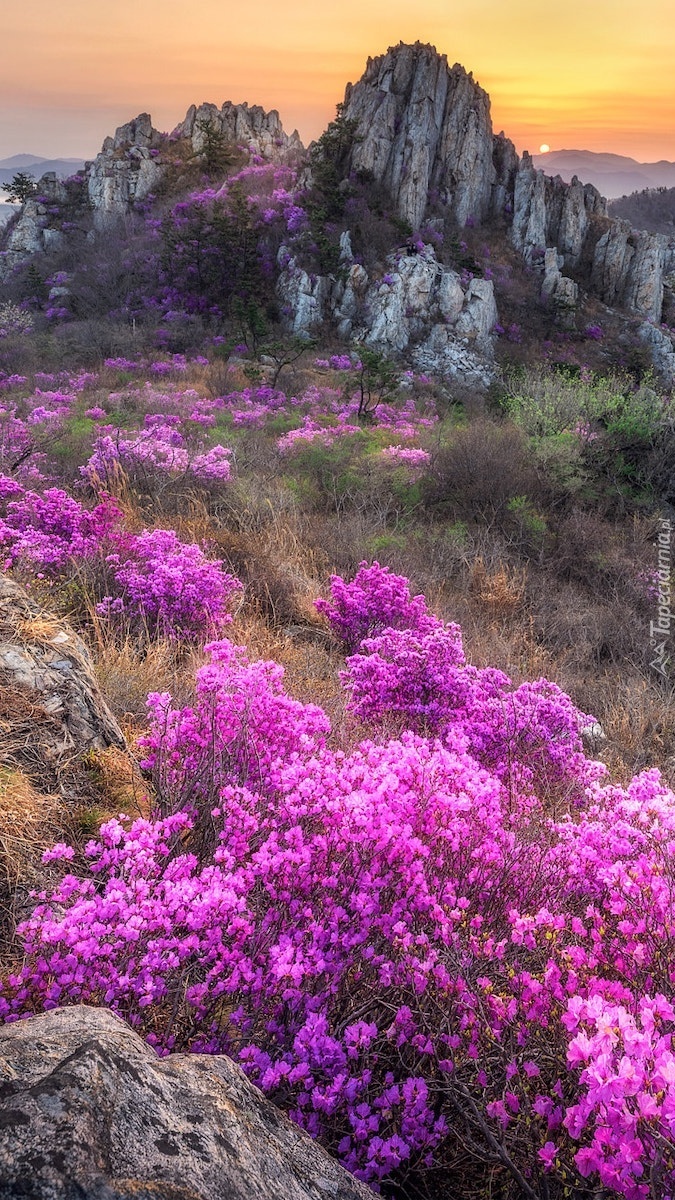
216 154
376 379
284 354
21 188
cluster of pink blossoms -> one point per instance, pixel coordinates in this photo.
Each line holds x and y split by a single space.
47 531
168 586
404 943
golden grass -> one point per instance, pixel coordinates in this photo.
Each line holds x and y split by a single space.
30 822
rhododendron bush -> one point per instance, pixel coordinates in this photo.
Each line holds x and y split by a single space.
404 942
159 583
169 586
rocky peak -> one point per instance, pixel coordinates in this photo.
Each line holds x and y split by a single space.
249 126
423 128
137 132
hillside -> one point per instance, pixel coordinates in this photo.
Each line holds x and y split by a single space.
337 493
652 209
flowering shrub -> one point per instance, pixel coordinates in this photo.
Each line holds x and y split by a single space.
242 727
418 676
168 586
408 954
160 450
50 530
375 600
14 320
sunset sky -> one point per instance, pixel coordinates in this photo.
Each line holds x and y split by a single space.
591 74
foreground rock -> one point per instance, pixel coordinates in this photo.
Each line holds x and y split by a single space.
51 705
88 1112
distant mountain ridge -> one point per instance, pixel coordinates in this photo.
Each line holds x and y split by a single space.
34 165
614 175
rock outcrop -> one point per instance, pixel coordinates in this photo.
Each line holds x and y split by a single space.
252 128
35 231
423 127
132 165
548 212
423 132
47 681
416 307
661 348
89 1112
125 171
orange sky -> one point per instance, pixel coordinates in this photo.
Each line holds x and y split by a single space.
591 74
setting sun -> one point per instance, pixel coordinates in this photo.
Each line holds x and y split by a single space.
544 149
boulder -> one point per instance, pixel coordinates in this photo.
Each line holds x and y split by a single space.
89 1112
47 682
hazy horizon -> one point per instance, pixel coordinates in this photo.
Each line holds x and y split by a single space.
598 79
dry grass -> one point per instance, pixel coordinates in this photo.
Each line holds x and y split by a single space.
128 669
500 592
30 822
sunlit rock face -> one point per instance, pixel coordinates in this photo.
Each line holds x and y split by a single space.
423 126
417 307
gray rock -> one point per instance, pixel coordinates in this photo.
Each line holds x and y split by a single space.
662 350
557 290
417 304
611 261
303 298
628 269
241 125
423 126
528 230
593 737
89 1112
44 661
452 358
505 161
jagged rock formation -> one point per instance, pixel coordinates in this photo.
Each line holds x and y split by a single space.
256 130
423 126
548 212
125 171
89 1112
46 671
628 269
131 165
423 131
33 231
417 306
